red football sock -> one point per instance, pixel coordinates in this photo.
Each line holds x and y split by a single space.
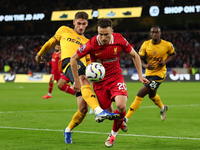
50 87
118 122
66 88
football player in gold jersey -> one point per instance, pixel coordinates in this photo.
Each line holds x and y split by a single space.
70 40
158 53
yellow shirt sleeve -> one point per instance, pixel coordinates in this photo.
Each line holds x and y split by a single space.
142 50
58 34
47 46
171 48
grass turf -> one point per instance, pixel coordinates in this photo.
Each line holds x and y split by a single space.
30 122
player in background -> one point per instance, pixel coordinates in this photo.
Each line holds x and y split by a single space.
157 53
105 48
70 40
56 75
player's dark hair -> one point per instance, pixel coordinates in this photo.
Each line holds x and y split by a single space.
82 15
155 26
104 23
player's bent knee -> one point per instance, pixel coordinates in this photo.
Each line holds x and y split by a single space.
121 108
59 86
83 110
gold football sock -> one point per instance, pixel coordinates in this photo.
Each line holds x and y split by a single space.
89 96
76 119
157 101
136 103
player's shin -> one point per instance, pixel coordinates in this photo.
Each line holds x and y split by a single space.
157 101
90 98
118 122
50 87
134 106
66 88
76 120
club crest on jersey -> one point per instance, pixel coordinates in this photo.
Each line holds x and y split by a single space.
81 49
154 52
115 50
78 38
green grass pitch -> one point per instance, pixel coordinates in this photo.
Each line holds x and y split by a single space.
29 122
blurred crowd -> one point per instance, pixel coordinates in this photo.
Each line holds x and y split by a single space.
19 52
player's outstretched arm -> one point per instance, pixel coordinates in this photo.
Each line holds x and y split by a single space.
138 65
45 48
39 59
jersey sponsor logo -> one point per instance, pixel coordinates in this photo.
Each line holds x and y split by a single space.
98 54
154 59
115 50
82 48
74 41
109 60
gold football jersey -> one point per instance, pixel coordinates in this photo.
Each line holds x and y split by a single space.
70 41
154 53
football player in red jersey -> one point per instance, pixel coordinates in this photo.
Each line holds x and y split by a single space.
56 75
105 48
70 40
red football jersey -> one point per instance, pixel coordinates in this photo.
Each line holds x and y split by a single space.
54 63
107 55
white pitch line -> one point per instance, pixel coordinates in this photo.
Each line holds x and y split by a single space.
37 111
20 87
190 105
134 135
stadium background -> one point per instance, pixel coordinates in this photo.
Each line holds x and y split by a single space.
30 122
26 25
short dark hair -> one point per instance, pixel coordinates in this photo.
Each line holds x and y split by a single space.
82 15
104 23
155 26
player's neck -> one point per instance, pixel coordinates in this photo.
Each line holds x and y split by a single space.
156 41
101 43
78 32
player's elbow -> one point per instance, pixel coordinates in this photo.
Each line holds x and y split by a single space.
74 58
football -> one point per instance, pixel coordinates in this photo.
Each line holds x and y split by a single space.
95 72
